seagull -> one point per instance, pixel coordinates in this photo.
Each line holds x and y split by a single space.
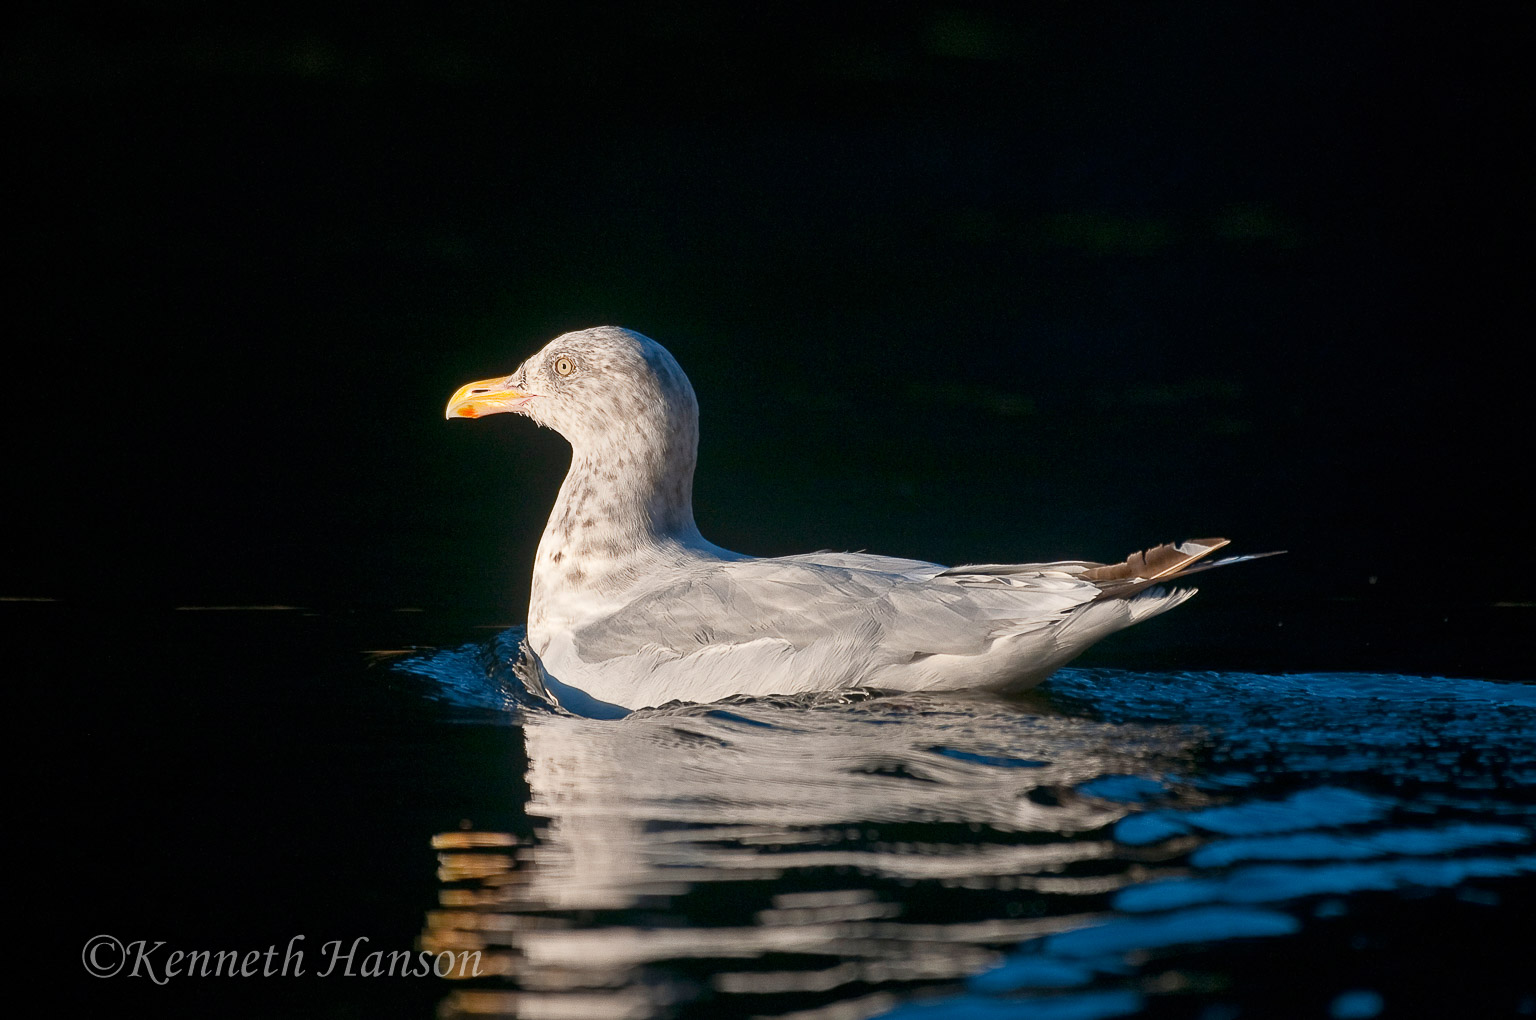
631 607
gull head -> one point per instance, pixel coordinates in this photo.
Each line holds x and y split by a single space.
595 387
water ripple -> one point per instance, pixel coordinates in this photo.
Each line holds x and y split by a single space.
1111 844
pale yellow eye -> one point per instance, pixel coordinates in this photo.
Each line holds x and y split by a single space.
564 366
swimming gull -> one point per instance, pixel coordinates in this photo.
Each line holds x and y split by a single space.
633 607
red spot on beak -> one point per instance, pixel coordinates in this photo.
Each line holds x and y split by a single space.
468 411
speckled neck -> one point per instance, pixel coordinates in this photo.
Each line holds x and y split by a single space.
625 507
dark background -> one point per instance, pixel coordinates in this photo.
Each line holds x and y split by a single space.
964 282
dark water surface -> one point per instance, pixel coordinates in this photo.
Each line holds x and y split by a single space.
1118 843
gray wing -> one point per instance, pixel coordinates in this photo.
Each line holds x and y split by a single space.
907 607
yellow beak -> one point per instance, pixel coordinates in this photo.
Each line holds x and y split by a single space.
488 396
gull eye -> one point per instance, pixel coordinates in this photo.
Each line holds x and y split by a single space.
564 366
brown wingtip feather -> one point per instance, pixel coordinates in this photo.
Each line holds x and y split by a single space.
1122 580
1153 564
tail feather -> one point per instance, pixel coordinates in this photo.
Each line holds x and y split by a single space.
1163 563
1134 574
1158 562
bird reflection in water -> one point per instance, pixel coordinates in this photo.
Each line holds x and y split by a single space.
792 856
